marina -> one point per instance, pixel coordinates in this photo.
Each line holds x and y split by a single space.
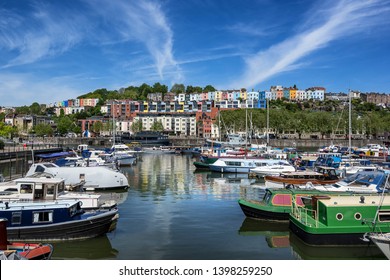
173 211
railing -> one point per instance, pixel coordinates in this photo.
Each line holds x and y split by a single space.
302 213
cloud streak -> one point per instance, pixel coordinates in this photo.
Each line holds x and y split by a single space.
47 30
44 32
143 22
325 25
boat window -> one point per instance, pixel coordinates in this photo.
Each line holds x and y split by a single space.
358 216
267 197
299 201
384 216
82 177
339 216
16 218
50 189
282 199
26 188
233 163
73 210
61 187
39 169
11 190
43 217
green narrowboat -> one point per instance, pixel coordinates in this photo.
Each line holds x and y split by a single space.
276 204
340 220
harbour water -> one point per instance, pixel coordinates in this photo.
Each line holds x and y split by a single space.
173 212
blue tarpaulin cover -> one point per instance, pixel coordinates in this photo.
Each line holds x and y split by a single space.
54 155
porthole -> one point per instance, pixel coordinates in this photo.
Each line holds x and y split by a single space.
339 216
358 216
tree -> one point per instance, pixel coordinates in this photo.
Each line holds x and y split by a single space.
35 109
97 127
22 110
178 88
136 126
144 90
157 87
64 124
7 131
190 89
157 126
209 88
43 129
130 94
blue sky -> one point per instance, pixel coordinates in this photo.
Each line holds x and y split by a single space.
56 50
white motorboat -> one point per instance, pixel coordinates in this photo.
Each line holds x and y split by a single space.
361 182
123 155
92 177
273 168
352 167
159 150
239 165
49 189
371 148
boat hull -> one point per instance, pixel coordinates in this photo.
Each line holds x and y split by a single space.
326 239
201 165
32 251
255 211
93 226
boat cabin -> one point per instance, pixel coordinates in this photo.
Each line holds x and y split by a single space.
32 189
322 173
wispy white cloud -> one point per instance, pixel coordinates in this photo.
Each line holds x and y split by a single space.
252 29
336 20
44 32
143 22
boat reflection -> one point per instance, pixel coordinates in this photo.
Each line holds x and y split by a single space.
276 234
304 251
89 249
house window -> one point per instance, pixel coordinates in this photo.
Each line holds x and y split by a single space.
43 217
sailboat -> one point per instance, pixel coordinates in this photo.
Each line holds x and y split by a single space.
233 139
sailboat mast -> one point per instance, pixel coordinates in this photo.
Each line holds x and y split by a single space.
267 98
114 125
350 124
219 124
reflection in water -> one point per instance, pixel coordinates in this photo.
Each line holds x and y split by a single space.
304 251
173 212
276 234
89 249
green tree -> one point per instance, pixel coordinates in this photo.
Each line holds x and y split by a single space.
136 126
22 110
157 126
35 109
209 88
157 87
7 131
97 127
144 90
64 124
42 129
178 88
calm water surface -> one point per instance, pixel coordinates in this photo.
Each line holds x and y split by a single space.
173 212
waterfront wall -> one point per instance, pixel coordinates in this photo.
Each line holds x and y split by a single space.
106 142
